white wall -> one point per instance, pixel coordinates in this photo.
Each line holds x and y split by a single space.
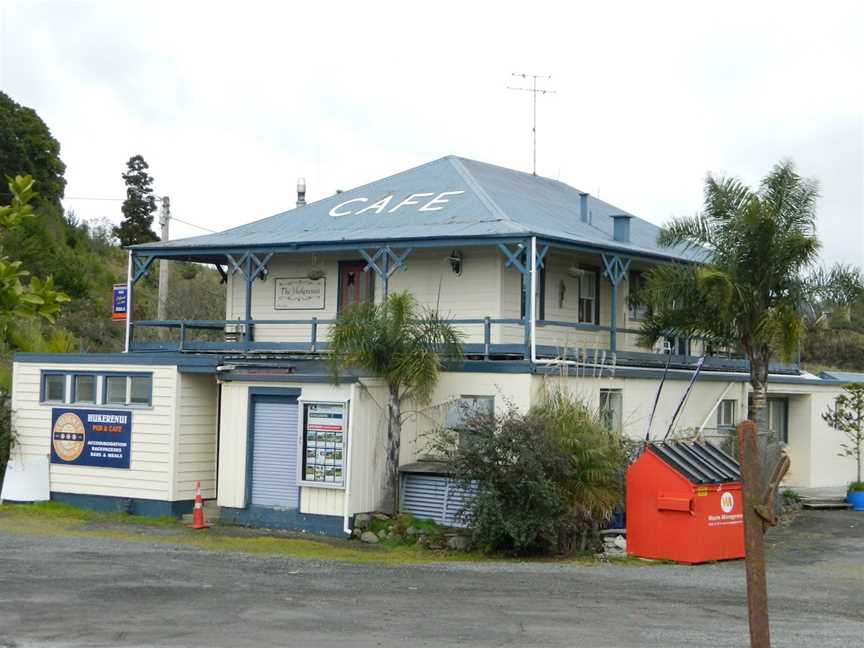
150 475
232 446
197 430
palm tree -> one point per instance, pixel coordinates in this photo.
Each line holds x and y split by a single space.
406 345
756 246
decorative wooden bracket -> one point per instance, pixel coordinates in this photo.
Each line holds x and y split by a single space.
392 261
140 265
249 266
513 257
222 273
615 268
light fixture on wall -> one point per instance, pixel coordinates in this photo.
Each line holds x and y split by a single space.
575 271
316 272
455 261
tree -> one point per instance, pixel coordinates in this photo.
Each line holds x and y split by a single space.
756 248
847 415
17 300
28 148
404 344
139 205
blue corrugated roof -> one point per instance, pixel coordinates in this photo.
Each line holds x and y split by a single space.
451 197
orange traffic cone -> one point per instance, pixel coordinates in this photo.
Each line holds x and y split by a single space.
198 511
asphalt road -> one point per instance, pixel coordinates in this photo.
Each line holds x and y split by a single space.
73 591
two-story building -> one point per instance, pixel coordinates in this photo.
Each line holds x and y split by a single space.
534 272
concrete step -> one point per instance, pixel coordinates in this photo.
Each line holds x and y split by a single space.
832 504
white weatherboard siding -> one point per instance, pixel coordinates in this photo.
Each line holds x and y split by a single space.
195 458
150 475
466 296
232 445
368 441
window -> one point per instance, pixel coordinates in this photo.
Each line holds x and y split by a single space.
84 389
141 390
611 407
539 293
115 390
589 293
54 388
463 410
98 388
726 415
778 418
636 310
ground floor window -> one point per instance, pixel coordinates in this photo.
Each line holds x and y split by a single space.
727 415
95 388
463 410
778 418
611 409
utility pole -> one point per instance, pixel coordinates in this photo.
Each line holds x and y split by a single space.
164 267
534 92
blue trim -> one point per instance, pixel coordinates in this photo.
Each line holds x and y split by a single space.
131 505
262 394
291 520
73 397
239 376
185 362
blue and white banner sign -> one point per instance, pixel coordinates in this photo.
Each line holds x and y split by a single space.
91 437
119 302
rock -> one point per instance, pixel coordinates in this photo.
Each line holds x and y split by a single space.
410 531
369 537
382 517
362 520
621 543
458 543
382 533
357 532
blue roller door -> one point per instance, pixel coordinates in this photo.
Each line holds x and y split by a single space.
274 452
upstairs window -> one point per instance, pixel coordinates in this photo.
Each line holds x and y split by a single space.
115 390
636 310
97 389
589 296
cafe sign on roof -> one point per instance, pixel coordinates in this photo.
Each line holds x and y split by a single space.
425 200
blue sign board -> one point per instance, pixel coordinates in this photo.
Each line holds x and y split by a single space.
91 437
118 303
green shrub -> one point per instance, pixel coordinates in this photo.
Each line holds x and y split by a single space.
544 480
790 497
856 487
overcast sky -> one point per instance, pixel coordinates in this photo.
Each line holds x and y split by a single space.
231 102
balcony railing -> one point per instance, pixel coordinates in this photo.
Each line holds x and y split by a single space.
237 336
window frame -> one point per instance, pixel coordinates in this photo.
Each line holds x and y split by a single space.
460 430
595 271
100 387
617 425
43 386
73 397
636 312
783 434
720 411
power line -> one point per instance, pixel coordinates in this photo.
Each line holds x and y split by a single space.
192 224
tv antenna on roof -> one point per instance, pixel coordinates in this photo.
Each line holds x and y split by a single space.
534 92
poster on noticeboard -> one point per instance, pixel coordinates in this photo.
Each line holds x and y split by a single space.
324 443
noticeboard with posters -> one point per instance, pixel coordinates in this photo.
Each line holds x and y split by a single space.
325 443
100 438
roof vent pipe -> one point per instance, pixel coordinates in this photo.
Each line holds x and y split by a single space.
584 216
621 227
301 192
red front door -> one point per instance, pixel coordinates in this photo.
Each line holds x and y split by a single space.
355 286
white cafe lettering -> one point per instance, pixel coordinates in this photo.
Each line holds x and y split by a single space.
378 207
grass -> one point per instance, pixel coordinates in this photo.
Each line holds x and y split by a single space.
54 519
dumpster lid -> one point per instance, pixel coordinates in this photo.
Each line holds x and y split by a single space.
698 461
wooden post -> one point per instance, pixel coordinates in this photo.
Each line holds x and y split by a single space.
754 560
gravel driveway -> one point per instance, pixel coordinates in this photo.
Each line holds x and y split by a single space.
74 591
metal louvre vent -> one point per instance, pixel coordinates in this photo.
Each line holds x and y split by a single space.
274 454
434 497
